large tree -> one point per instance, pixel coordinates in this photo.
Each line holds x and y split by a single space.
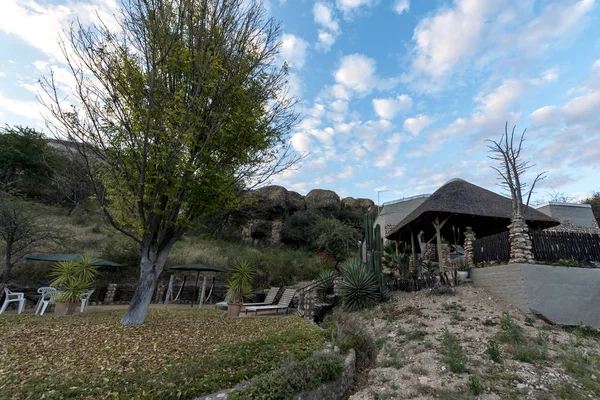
174 113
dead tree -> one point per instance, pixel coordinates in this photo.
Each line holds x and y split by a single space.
512 167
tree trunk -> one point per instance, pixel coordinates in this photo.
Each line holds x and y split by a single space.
151 266
8 264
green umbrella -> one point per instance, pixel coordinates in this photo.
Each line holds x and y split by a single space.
98 262
193 267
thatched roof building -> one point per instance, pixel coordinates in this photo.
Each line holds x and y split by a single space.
465 204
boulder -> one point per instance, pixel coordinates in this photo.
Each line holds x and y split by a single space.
295 202
325 202
271 202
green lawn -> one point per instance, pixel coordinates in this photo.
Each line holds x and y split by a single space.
175 354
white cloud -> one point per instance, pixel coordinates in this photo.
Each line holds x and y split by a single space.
324 16
2 74
357 72
301 142
596 64
401 6
583 108
27 109
39 23
293 50
346 173
451 36
545 116
294 85
349 5
388 108
416 124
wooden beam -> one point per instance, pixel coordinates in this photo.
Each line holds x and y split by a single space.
413 250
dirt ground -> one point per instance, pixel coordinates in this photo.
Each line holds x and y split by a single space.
539 361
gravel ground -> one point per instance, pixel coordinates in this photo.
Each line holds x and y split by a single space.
413 361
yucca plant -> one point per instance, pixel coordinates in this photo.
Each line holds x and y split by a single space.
359 288
73 278
239 286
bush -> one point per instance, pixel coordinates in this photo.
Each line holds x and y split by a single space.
326 284
475 385
348 334
493 350
359 288
511 332
293 377
455 355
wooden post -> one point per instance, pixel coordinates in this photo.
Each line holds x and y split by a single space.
202 293
414 251
438 236
169 290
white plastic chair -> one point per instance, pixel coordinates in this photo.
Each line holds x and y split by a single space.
85 298
49 298
13 297
43 291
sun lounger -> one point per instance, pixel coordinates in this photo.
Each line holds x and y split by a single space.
269 300
283 304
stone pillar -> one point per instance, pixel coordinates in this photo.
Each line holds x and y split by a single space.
469 239
160 292
110 293
520 242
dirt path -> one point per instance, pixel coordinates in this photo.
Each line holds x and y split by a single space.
417 356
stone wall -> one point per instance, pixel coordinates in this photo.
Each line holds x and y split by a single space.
520 242
505 281
567 296
335 390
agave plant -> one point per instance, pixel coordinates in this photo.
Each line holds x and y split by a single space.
74 278
359 288
326 283
240 281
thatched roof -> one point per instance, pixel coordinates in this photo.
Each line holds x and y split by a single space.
467 205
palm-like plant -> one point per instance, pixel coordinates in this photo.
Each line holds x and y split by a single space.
359 288
326 283
239 286
74 278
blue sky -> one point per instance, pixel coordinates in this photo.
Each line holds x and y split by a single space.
396 95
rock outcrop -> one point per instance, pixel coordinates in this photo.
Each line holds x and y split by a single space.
273 205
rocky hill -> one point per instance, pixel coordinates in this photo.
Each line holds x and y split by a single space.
278 215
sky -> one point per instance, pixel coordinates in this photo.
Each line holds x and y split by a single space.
397 96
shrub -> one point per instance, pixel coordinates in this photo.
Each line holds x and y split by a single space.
563 262
511 332
293 377
475 385
493 350
455 355
74 278
349 334
241 276
359 288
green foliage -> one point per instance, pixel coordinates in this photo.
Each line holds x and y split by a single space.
74 278
455 355
241 276
594 201
335 238
23 153
429 268
475 385
218 353
326 281
493 351
348 334
359 288
563 262
293 377
298 227
511 332
393 261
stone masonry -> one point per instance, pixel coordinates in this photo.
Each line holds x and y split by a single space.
520 242
469 239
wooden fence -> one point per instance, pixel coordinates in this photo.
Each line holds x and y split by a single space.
492 248
552 246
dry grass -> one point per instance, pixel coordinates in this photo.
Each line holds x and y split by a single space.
175 353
